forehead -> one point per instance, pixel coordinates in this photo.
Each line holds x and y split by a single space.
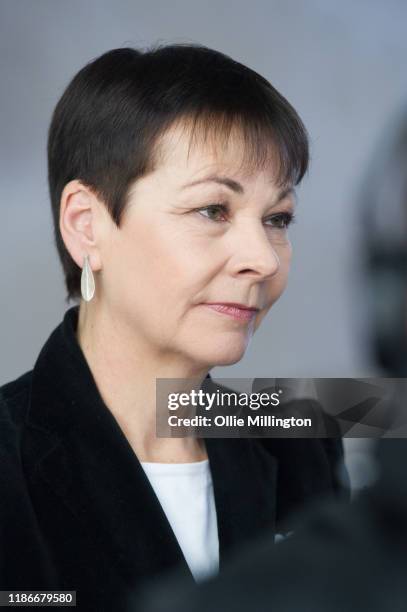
186 157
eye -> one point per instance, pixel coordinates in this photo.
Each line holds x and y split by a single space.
281 220
215 211
218 213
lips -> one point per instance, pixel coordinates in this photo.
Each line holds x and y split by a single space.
237 311
234 305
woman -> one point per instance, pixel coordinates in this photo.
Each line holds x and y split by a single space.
349 543
171 175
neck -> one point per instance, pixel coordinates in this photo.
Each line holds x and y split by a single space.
125 368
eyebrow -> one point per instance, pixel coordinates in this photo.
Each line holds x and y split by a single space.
235 185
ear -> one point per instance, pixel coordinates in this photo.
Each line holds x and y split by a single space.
79 218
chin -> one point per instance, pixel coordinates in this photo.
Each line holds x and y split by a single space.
227 360
221 355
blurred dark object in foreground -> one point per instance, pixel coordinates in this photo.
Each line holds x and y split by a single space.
341 558
382 274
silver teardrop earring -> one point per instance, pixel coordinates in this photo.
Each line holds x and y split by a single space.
87 280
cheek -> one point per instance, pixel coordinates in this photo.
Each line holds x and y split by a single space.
277 284
131 267
159 268
285 264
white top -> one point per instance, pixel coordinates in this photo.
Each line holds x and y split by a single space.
185 492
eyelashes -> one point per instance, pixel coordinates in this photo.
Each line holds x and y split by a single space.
279 220
282 220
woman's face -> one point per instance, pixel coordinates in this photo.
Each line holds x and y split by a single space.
182 245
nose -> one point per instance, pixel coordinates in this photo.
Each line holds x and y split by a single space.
254 252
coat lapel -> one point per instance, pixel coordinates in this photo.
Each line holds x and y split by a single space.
245 480
85 459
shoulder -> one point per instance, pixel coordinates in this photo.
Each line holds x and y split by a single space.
16 386
14 402
15 394
19 536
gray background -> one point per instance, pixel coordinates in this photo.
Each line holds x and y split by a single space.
341 64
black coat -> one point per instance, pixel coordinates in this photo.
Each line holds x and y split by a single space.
77 511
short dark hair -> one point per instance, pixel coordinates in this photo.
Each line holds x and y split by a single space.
106 128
